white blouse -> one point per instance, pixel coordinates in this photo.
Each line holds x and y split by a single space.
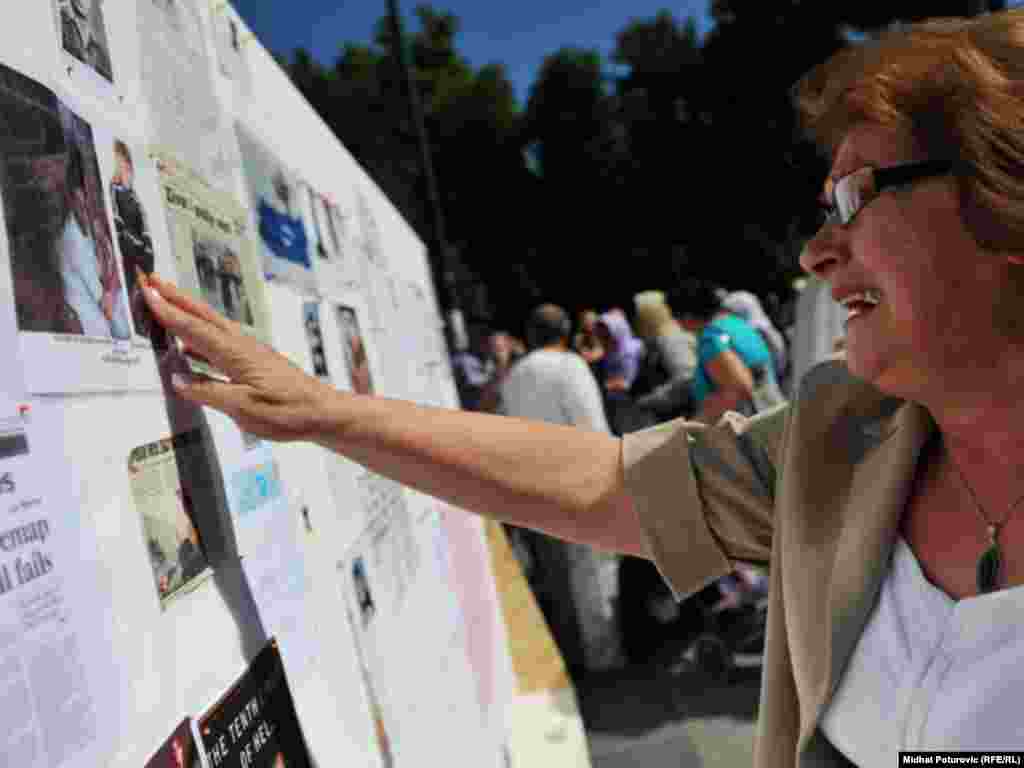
930 672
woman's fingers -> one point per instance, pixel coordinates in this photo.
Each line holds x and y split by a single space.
173 295
197 332
203 390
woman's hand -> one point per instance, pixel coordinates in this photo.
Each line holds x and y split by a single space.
267 395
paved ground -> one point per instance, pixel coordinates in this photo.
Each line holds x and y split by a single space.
659 717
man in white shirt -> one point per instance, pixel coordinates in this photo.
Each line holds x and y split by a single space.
555 385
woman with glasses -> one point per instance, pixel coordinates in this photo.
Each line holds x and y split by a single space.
886 497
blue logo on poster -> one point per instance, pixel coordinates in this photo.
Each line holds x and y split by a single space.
255 486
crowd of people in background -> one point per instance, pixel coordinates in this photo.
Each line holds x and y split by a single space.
693 351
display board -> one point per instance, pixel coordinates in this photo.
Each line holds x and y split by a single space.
174 591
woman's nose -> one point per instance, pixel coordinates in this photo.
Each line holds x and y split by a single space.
825 251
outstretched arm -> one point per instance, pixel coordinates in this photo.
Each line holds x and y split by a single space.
565 481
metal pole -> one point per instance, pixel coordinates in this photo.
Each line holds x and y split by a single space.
438 244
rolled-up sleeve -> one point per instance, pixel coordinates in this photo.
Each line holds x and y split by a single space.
705 495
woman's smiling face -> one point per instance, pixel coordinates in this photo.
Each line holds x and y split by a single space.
909 248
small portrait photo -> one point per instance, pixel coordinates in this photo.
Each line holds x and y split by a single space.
354 348
328 243
63 263
133 237
83 34
220 278
13 440
168 513
362 588
314 335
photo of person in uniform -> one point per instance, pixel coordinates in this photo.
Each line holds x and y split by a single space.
132 235
84 35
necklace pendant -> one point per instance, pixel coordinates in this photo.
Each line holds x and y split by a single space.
988 569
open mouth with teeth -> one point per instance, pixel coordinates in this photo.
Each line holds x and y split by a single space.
860 303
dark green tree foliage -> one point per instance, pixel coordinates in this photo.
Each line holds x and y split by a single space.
679 156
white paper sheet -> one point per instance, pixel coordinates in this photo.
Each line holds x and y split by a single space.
57 680
280 586
176 83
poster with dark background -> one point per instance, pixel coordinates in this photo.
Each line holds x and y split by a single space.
254 724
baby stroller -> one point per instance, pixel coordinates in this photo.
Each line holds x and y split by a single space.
719 628
733 626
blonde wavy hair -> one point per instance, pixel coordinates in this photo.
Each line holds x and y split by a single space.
957 87
653 316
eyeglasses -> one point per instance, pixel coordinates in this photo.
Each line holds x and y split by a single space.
848 195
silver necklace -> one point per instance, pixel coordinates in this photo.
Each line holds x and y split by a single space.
990 564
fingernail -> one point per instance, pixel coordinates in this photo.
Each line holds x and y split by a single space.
180 345
154 293
178 381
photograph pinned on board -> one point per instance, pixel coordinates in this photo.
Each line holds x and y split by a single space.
278 205
133 236
221 282
13 440
326 219
179 751
361 585
315 338
354 348
254 724
63 276
360 610
66 277
281 225
83 35
168 504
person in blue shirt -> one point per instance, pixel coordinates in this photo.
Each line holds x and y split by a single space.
735 370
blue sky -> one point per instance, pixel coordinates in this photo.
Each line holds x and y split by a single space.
518 34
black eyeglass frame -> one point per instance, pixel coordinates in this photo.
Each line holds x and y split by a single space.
884 178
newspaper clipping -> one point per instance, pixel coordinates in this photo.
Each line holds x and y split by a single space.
178 87
212 247
168 512
54 683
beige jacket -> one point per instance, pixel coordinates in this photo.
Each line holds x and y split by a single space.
815 489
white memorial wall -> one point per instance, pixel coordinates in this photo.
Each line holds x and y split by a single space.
149 550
